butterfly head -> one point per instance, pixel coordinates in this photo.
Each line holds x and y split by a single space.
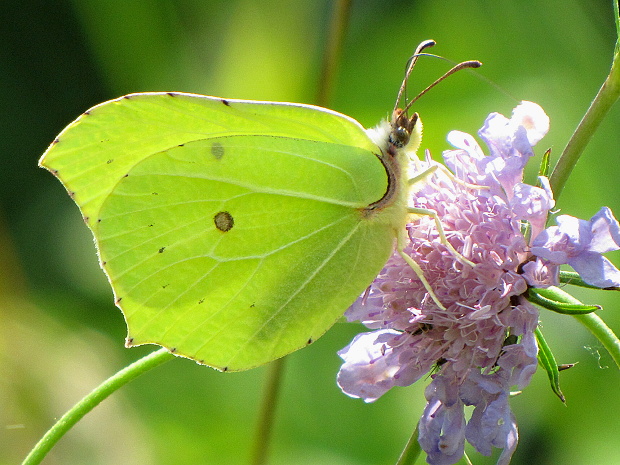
403 128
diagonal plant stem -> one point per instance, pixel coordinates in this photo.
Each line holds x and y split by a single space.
75 414
598 328
607 95
412 450
603 333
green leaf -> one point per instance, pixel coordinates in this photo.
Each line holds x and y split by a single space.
545 165
232 232
554 299
547 361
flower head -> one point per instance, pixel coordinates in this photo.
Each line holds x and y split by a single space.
482 343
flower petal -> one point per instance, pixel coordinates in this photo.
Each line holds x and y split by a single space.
580 243
595 269
533 118
605 232
368 369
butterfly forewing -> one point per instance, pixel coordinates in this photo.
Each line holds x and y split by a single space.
94 152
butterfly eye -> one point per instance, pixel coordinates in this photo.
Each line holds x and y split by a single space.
399 137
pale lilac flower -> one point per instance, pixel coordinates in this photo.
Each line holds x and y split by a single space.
482 344
580 243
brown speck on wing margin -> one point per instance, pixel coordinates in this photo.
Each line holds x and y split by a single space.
171 94
226 102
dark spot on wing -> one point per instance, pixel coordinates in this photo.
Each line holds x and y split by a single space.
109 161
173 350
226 102
128 341
162 250
223 221
171 94
217 150
310 341
223 369
118 300
201 301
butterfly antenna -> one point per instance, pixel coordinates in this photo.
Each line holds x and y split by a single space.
464 65
412 61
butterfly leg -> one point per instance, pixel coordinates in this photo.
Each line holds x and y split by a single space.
420 274
442 234
422 176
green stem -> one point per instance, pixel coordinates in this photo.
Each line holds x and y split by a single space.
333 50
66 422
412 450
607 95
603 333
617 14
267 412
599 329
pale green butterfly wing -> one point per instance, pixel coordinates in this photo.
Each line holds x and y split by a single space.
95 151
232 232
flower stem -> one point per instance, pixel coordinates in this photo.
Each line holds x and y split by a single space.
598 328
603 333
66 422
267 412
333 50
616 6
412 450
607 95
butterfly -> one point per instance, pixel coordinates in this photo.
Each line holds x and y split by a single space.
234 232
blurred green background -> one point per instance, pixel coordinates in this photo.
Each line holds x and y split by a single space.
60 333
